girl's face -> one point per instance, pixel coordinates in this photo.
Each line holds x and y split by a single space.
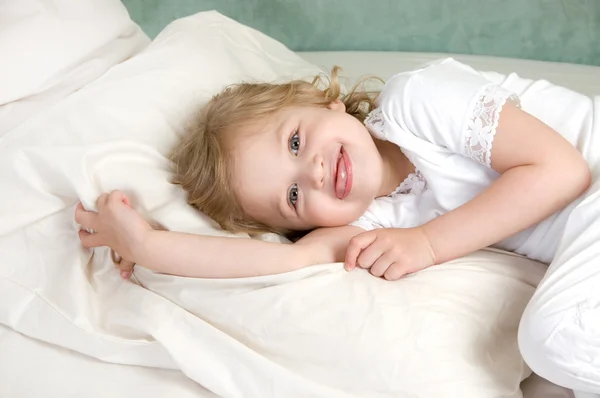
307 167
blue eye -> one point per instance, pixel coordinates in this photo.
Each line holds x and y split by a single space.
294 143
293 195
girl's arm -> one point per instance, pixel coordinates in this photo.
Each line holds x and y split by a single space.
541 173
121 228
221 257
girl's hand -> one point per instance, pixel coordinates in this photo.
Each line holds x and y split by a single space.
390 252
115 225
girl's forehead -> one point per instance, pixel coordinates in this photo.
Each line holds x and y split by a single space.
262 127
269 126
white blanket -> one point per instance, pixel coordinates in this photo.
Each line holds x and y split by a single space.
318 332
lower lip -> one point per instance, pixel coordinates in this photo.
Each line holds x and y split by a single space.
349 176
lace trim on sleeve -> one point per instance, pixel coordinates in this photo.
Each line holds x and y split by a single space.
375 123
481 127
414 184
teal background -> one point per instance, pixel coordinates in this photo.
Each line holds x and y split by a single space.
551 30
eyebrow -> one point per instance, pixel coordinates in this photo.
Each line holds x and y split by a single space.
281 135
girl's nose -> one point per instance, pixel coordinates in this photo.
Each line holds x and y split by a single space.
316 172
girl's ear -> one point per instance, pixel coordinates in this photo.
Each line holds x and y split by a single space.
337 105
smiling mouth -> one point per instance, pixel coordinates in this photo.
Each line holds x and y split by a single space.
343 175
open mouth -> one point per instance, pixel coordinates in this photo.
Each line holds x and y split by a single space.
343 175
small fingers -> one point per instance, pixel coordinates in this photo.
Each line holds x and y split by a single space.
125 200
86 219
89 240
381 265
126 268
396 271
356 245
369 256
112 198
101 201
118 197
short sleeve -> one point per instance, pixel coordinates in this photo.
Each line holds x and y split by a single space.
366 223
448 104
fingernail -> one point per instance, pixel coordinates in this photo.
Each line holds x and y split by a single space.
125 274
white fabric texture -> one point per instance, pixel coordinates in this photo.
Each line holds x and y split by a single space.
319 332
443 116
34 369
51 49
560 330
55 372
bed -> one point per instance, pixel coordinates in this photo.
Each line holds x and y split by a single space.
70 327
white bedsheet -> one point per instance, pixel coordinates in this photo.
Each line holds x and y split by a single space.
34 369
31 369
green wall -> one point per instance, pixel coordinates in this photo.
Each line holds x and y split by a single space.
551 30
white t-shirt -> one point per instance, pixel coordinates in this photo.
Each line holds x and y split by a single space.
444 118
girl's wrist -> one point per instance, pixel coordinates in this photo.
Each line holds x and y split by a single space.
432 253
142 246
317 252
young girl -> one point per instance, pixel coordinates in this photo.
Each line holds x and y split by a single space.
445 163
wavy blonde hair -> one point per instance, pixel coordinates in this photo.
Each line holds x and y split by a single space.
203 160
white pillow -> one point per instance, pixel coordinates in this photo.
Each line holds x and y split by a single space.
138 108
50 49
318 332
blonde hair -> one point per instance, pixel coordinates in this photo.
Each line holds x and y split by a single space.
203 160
